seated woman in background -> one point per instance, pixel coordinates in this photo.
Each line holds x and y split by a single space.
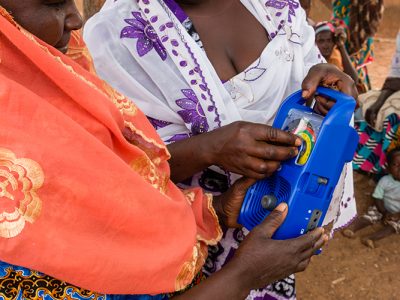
379 129
85 195
199 67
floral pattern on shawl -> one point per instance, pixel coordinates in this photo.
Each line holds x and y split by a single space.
281 4
192 112
142 30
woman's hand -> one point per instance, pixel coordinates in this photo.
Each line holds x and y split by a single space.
228 204
259 261
372 111
263 260
340 36
250 149
327 75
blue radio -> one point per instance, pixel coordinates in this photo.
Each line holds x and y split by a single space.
306 182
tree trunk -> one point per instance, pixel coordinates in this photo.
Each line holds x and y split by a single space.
90 7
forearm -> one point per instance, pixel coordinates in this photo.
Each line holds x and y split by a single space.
392 83
188 157
384 95
225 284
348 67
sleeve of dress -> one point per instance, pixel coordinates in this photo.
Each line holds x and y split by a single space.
379 189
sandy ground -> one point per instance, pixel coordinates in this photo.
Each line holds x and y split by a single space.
346 269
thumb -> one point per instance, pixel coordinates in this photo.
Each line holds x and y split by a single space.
241 185
274 220
311 82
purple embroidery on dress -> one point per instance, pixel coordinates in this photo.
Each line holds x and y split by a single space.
178 137
141 29
192 112
281 4
157 124
253 73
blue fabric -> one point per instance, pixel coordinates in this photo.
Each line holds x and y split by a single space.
20 283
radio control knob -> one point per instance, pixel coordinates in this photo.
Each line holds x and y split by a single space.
269 202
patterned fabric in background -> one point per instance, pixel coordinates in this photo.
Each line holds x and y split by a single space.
370 154
361 21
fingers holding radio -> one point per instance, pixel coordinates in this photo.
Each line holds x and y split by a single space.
272 152
274 220
289 256
309 250
250 149
258 168
276 136
330 76
323 105
228 204
308 240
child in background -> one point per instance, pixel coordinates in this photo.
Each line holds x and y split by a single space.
387 205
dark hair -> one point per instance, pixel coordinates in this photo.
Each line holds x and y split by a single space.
391 154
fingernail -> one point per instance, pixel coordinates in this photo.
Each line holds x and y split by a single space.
305 94
298 142
281 207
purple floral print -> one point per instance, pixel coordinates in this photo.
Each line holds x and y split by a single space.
281 4
157 124
141 29
192 112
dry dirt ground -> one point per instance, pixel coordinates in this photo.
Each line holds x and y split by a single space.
347 269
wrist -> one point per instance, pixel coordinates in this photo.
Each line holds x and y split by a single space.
239 277
205 151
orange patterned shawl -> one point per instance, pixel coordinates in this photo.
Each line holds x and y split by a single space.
77 200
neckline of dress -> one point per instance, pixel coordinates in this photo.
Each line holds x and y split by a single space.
182 17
